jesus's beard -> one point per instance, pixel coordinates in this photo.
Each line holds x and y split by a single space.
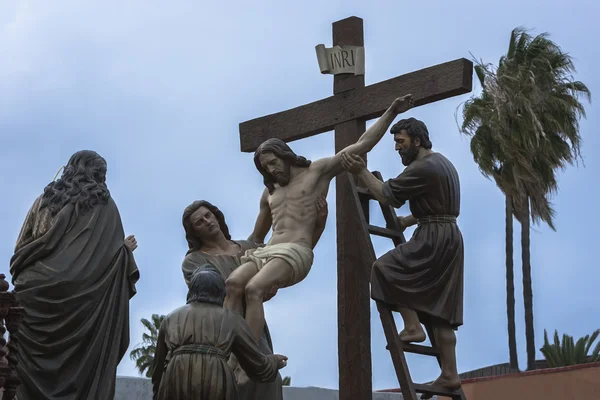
409 155
282 179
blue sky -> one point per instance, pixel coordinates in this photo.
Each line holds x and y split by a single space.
159 91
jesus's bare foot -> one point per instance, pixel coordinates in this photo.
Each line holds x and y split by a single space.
412 334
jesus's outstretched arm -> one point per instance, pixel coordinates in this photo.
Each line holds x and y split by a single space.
332 166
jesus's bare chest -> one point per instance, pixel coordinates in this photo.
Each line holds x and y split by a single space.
297 198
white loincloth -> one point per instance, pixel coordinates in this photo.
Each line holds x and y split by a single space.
300 258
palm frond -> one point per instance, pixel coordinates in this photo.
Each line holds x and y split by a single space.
524 125
569 352
143 353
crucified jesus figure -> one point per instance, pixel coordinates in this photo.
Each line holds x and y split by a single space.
293 185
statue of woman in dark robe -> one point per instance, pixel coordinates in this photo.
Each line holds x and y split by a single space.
74 273
209 242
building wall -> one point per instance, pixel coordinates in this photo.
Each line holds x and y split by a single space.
133 388
575 382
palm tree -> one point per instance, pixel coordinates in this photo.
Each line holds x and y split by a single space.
143 353
569 352
524 127
287 381
479 121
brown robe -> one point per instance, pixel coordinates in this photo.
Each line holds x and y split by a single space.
425 274
201 372
74 277
226 264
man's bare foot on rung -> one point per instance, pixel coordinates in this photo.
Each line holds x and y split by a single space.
448 382
412 335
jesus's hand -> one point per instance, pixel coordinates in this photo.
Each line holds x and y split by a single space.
353 163
403 104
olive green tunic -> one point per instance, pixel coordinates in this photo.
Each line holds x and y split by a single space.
193 346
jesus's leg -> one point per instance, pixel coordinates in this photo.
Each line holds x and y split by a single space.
235 285
276 272
446 342
234 300
413 331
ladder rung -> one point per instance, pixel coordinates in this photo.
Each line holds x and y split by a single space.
418 349
385 232
437 390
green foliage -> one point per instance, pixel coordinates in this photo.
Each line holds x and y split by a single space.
287 381
569 352
143 353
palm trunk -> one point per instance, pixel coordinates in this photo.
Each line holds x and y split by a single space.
527 289
510 286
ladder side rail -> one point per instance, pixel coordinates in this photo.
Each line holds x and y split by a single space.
361 214
395 348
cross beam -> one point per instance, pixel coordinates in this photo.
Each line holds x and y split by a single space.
426 85
346 112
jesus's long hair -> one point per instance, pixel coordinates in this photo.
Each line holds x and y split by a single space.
281 150
82 183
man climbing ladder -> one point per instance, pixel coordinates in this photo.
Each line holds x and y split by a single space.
421 278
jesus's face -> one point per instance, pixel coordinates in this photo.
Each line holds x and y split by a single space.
406 147
276 167
205 223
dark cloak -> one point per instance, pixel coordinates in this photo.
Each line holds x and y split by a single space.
74 277
226 264
425 273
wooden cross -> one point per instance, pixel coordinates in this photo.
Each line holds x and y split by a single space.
346 112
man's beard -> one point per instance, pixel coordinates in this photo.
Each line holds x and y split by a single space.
409 155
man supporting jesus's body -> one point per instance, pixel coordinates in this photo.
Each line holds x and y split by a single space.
293 185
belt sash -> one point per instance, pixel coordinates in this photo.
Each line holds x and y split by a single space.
201 349
437 219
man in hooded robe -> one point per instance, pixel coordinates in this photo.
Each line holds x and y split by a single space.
195 342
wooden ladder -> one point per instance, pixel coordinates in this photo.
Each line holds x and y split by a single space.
396 347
